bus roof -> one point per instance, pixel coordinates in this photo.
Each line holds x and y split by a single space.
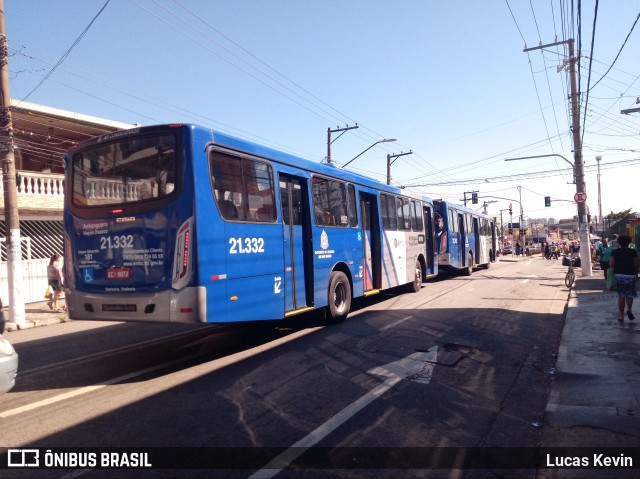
234 143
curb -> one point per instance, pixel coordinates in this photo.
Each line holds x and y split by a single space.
32 323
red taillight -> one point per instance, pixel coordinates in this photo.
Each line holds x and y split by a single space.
185 254
186 310
117 211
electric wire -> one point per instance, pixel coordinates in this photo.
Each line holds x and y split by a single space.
66 54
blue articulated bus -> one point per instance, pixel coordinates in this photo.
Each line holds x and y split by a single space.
464 238
179 223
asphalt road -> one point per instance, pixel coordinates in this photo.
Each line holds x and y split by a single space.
463 363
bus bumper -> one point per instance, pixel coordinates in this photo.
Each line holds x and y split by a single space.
188 305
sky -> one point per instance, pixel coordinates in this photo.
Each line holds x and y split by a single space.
448 80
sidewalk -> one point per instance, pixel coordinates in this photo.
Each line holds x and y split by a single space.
595 395
36 315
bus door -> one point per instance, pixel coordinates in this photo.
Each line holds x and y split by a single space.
494 241
479 254
298 258
430 239
463 241
371 242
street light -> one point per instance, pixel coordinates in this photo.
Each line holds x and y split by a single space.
578 178
386 140
573 167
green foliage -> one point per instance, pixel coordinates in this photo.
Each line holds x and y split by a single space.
620 215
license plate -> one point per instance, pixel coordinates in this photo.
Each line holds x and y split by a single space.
129 308
119 273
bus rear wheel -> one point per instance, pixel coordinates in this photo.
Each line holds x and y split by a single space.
469 269
339 299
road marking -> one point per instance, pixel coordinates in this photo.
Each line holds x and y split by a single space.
529 276
415 367
396 323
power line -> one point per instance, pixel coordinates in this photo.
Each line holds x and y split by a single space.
66 54
593 36
619 52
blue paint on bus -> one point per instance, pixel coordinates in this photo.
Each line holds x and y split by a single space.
464 238
181 223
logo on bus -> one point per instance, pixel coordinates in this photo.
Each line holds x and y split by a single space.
324 240
87 275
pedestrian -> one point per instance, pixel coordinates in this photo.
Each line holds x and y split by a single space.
604 253
54 276
624 262
574 249
547 251
614 242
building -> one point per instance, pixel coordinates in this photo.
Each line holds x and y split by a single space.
42 135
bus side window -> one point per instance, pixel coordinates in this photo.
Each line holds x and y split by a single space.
389 214
351 206
453 221
228 210
243 188
404 214
329 202
417 224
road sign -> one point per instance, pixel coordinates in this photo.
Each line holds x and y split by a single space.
580 197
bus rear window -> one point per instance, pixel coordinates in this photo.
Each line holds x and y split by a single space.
125 171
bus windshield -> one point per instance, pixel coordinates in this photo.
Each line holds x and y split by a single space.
125 171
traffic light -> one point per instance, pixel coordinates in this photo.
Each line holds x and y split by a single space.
547 200
474 198
510 209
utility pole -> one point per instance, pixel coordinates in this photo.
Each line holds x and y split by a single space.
329 131
598 158
8 161
389 163
578 166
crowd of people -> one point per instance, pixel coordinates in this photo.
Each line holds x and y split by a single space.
618 260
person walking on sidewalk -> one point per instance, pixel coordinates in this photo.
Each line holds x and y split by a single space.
604 251
624 262
54 276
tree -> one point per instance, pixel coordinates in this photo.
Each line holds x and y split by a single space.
620 215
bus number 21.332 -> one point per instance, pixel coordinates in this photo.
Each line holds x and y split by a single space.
116 242
246 245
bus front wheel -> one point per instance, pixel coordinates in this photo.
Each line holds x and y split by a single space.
416 285
339 299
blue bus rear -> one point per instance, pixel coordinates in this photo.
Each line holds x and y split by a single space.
464 238
129 227
178 223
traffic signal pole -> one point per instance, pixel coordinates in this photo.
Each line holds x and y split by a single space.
8 162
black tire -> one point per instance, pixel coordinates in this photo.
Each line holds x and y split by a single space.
339 297
569 278
416 285
469 269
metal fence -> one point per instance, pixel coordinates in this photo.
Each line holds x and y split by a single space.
34 275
